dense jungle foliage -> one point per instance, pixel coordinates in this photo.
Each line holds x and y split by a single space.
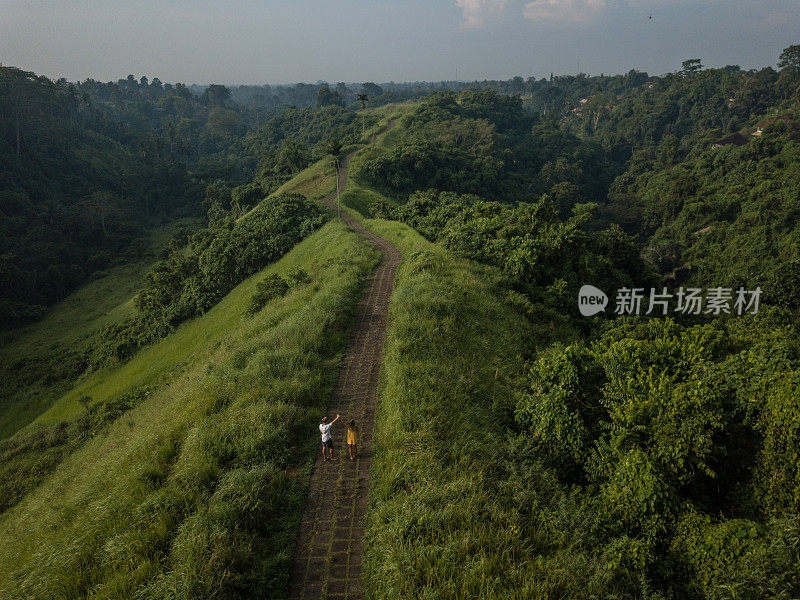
547 257
676 450
484 143
96 177
88 169
75 192
656 156
645 457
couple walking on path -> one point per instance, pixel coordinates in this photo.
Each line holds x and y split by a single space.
327 438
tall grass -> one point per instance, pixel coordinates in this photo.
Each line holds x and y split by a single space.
436 526
444 518
197 491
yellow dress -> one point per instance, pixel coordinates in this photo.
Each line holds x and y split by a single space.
351 436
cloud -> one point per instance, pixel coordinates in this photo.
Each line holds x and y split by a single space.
557 13
474 12
563 12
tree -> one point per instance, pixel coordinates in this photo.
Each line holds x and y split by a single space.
172 136
363 99
293 156
217 200
597 105
223 124
105 210
371 89
17 87
789 64
790 57
549 96
327 97
334 149
691 66
216 95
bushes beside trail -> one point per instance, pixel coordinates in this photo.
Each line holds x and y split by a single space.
192 279
517 457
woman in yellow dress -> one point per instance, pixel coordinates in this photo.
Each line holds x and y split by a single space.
352 439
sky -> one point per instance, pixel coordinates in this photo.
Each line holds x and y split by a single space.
265 41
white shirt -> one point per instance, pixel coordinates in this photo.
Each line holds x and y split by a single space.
325 430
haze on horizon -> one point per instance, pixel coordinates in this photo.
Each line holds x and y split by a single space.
252 42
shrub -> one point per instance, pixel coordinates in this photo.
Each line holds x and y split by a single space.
297 276
191 280
684 440
380 209
272 286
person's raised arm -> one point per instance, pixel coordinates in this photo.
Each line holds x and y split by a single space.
336 419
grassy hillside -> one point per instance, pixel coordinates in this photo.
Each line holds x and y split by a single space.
358 194
441 522
35 368
319 179
197 489
519 452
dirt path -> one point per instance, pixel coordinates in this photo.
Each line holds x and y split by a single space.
330 545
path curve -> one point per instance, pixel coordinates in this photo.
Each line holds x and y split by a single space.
330 544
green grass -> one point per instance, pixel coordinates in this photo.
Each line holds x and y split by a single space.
393 137
357 194
30 357
359 198
443 520
317 181
435 528
385 114
197 490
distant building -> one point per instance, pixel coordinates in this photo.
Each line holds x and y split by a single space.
737 139
763 125
704 230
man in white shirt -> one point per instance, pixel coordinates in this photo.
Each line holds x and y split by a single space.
327 442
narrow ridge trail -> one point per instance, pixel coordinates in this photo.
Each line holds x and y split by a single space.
327 562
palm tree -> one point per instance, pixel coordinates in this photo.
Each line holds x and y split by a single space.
363 98
334 149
